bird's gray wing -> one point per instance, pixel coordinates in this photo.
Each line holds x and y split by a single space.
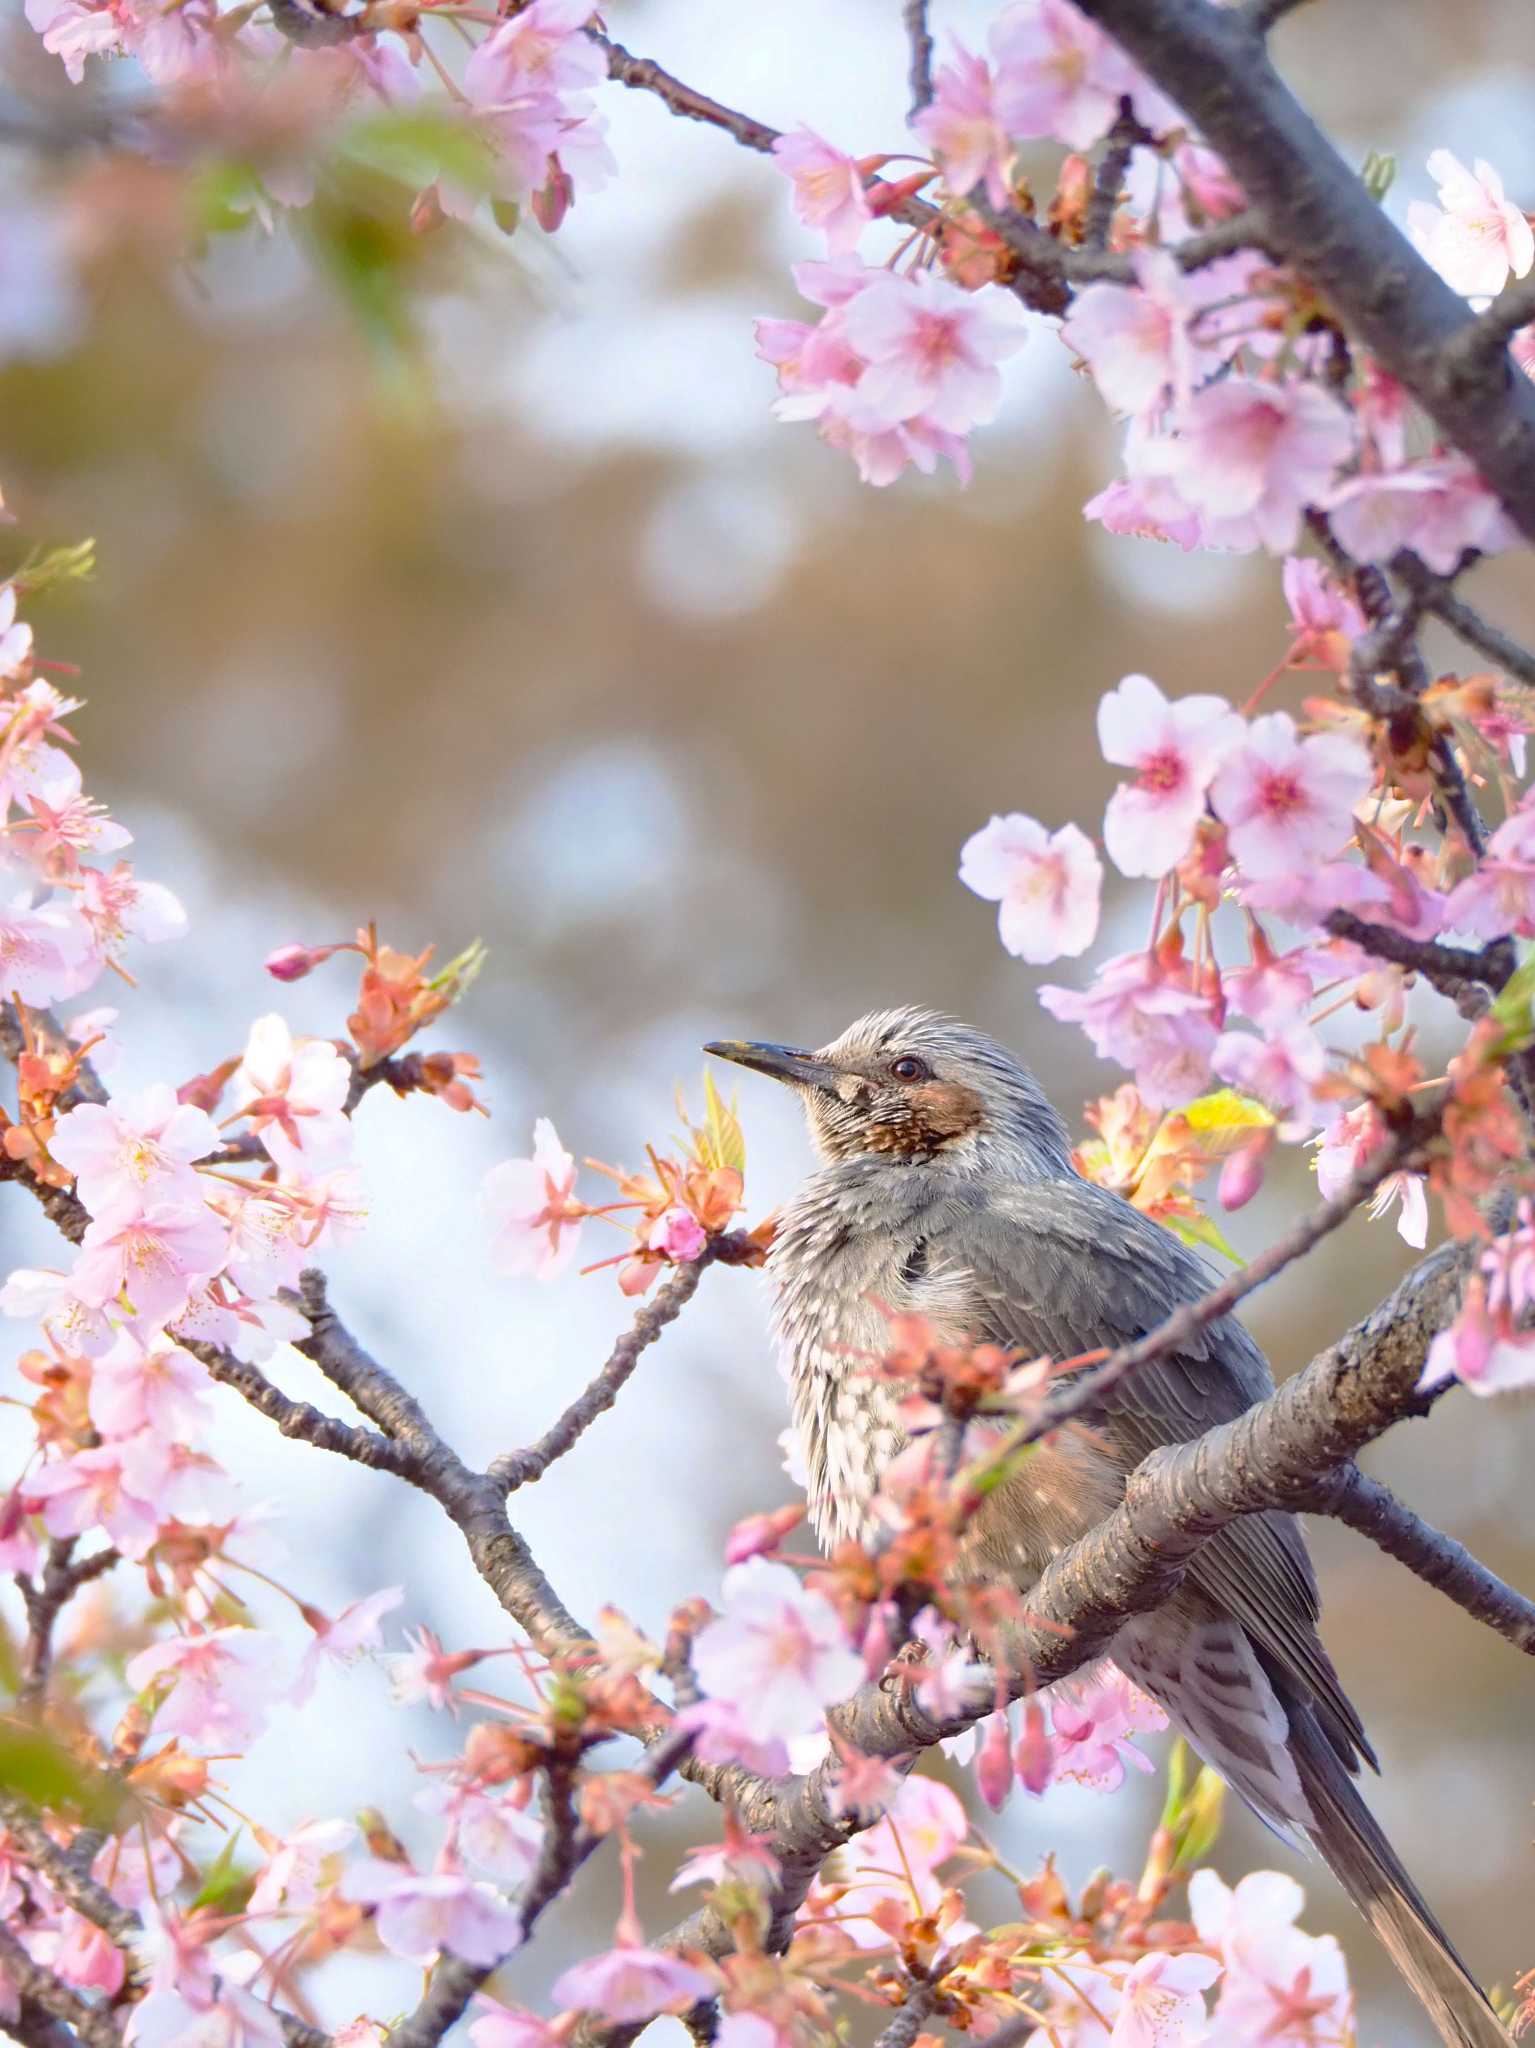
1062 1267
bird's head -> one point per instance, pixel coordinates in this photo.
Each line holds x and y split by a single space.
912 1086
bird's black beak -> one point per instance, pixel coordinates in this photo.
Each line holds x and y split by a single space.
782 1062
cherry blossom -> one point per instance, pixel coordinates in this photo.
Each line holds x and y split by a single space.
149 1385
524 88
632 1983
963 129
505 2026
1285 800
1092 1721
221 1684
1085 1998
828 188
355 1629
898 1859
720 1736
294 1093
678 1234
932 349
99 1488
1136 339
123 1151
1438 507
1497 899
291 1879
1058 74
1048 885
47 953
536 1220
426 1671
1282 1070
741 1858
1324 618
151 1258
117 906
1281 1986
1161 2004
1175 749
777 1653
1479 237
1346 1145
498 1835
1144 1011
949 1679
1250 457
419 1917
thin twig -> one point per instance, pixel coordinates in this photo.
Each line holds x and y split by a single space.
44 1599
1109 180
1438 1560
920 37
520 1468
1438 596
1454 970
1085 1393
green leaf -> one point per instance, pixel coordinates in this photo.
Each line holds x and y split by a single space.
225 197
1378 174
723 1127
416 146
45 568
1205 1234
1511 1006
41 1771
223 1881
1225 1114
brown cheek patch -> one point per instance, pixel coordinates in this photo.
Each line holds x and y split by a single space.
932 1116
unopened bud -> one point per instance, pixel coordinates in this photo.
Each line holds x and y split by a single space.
292 963
1242 1174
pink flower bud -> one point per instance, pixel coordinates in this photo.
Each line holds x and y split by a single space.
678 1234
1033 1759
759 1534
994 1763
1242 1174
292 963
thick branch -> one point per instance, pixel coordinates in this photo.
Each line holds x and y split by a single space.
1322 219
1454 970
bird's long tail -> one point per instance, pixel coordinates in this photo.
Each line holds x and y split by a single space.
1346 1835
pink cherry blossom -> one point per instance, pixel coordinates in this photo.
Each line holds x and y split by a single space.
741 1858
118 906
1509 1263
1250 457
1092 1721
948 1680
149 1385
1287 801
1145 1012
1482 1350
1175 749
720 1736
1324 619
523 87
80 1953
1048 885
355 1629
1136 338
98 1488
35 1294
506 2026
1162 2006
1083 2001
292 1877
1281 1986
1274 990
1347 1144
134 1148
72 31
933 349
1282 1070
778 1652
828 188
153 1259
425 1671
536 1219
1059 75
963 129
47 954
631 1983
221 1684
1497 899
678 1233
1438 507
899 1858
544 49
1479 237
294 1092
1146 508
420 1917
502 1838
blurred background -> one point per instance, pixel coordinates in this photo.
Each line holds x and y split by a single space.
558 640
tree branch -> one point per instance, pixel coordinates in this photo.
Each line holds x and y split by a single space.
1437 595
93 2024
1456 971
920 37
1350 1496
520 1468
1212 62
44 1600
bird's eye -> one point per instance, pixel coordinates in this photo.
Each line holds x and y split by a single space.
909 1068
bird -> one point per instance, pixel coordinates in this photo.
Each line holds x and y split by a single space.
946 1189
